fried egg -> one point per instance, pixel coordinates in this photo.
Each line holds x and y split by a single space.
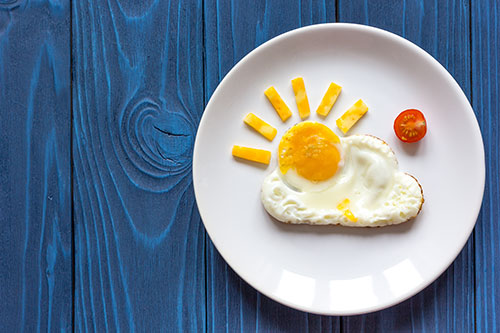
353 181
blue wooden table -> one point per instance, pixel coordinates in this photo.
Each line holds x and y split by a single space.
99 106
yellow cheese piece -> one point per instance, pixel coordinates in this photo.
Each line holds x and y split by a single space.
329 99
260 126
301 97
350 215
252 154
346 211
351 116
343 204
278 104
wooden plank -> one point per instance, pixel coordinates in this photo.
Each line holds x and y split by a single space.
138 97
485 26
232 29
35 181
442 29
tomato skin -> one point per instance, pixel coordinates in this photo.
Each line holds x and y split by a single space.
410 126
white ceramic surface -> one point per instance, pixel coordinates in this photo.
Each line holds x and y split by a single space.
330 269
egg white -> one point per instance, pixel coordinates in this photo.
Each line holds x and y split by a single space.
368 176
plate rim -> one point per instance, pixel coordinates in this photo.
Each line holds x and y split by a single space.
472 118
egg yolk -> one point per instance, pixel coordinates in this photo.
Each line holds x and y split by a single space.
310 148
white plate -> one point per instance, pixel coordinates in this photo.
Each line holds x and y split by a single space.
330 269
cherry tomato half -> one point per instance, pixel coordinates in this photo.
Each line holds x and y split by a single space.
410 125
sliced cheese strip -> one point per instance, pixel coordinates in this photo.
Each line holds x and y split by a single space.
351 116
278 104
252 154
299 90
350 215
260 126
343 207
329 99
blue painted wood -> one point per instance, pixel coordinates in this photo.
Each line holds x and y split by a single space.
140 80
137 100
232 29
442 29
485 38
35 183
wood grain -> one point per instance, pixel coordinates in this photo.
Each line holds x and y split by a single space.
121 161
442 29
485 36
232 29
138 96
35 194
